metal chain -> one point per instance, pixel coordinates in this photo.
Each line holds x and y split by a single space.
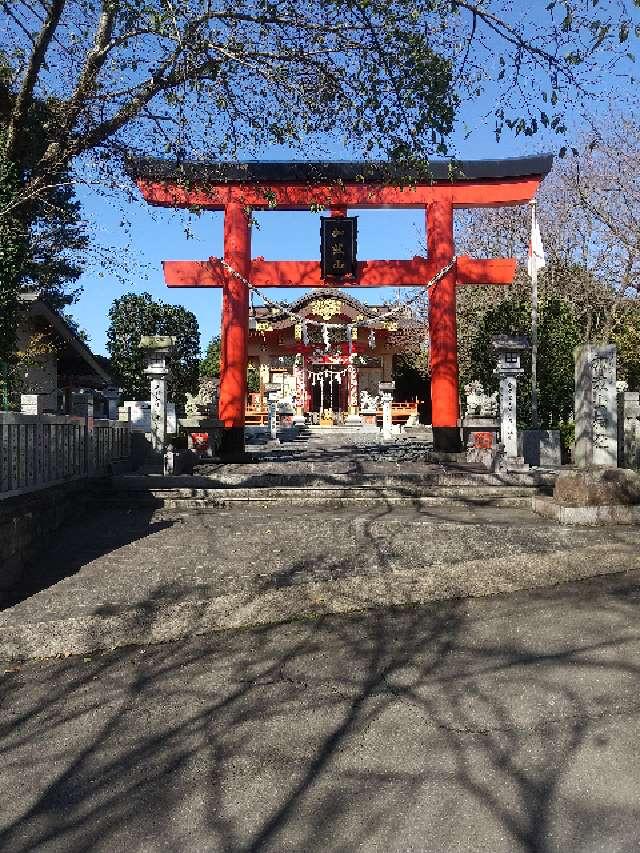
284 308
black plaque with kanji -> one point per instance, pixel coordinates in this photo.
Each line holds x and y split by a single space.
338 246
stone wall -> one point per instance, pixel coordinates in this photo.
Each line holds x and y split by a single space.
29 523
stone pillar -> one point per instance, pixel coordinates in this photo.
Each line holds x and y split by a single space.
508 410
298 372
264 374
273 395
386 393
596 406
509 350
629 429
352 378
158 412
157 348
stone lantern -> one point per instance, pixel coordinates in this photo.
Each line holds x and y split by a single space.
509 351
156 349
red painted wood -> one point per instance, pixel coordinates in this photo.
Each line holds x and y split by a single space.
235 318
490 193
414 273
445 407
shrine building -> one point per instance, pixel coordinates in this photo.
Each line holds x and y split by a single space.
330 380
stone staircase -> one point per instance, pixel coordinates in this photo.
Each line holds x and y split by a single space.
431 487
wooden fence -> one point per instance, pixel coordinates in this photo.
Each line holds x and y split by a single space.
41 450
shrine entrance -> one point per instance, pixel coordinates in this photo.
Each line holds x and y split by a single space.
328 389
339 187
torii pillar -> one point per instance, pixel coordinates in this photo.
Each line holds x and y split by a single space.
443 348
235 325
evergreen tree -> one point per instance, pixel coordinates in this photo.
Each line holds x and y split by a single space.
134 315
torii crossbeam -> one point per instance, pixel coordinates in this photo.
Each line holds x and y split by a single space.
237 188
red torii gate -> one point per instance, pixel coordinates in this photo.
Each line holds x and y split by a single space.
237 188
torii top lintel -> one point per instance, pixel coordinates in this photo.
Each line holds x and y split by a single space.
290 185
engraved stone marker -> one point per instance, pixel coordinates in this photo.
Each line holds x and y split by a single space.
596 406
156 348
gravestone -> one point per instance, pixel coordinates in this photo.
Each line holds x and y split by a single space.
596 410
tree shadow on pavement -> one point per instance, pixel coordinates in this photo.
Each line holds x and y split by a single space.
504 725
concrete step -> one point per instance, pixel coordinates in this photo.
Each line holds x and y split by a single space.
229 477
410 495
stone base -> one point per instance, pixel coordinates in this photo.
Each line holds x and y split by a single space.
232 443
447 440
598 487
353 422
472 425
490 458
588 516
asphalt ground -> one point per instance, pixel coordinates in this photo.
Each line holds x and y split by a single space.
502 724
134 575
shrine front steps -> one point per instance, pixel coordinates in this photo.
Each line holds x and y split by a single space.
336 490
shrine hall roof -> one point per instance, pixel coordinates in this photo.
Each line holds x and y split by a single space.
351 308
315 172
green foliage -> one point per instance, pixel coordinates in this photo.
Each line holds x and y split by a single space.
410 373
50 221
210 364
134 315
626 337
13 250
558 334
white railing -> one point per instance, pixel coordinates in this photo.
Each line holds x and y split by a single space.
41 450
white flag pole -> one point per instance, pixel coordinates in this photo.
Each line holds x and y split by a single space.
534 318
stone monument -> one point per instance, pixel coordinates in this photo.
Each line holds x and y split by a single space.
156 349
596 409
509 350
629 429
